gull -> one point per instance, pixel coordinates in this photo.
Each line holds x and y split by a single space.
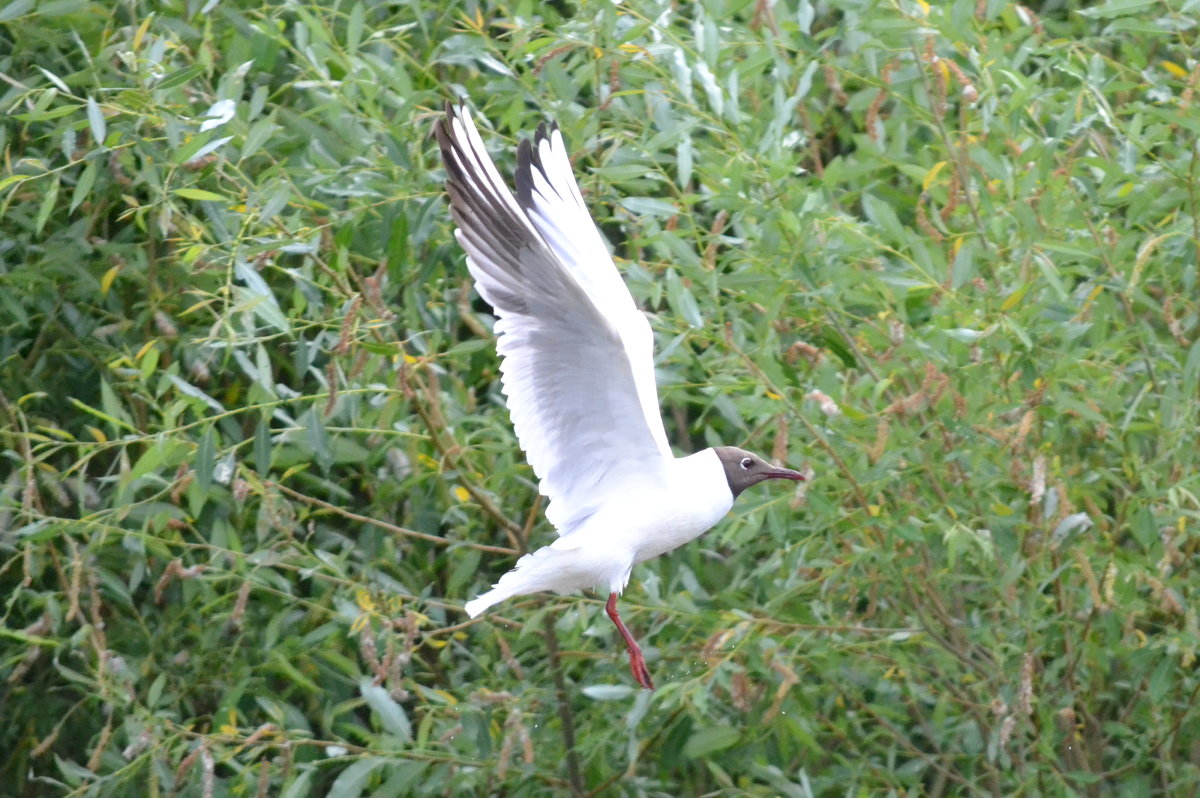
577 369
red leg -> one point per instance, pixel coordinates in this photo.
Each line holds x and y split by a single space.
637 663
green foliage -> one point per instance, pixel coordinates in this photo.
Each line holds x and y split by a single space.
255 454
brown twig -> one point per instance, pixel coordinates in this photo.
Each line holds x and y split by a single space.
393 528
564 706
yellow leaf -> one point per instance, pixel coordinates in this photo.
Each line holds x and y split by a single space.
62 434
873 510
107 280
192 254
201 304
364 600
461 493
448 697
359 624
146 347
1013 299
924 7
293 471
97 434
1091 297
1174 69
773 395
945 70
931 175
141 32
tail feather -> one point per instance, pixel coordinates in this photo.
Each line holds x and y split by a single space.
477 605
549 568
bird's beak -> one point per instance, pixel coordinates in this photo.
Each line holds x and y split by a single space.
785 473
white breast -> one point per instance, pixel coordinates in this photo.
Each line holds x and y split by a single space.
698 497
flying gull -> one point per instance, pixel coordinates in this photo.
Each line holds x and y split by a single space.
577 370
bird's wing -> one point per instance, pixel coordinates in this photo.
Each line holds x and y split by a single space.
577 354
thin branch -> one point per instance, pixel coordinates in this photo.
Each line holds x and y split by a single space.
564 706
397 530
432 417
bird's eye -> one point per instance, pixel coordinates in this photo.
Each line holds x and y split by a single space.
746 463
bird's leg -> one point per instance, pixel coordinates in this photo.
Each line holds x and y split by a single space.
637 663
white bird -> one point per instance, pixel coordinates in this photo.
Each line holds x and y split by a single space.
577 370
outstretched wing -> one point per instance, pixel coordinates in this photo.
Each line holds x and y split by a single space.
577 354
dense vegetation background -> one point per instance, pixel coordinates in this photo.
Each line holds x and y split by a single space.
255 456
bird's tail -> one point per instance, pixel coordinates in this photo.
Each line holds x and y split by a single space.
553 567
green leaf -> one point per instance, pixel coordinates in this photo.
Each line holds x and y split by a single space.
352 781
300 787
199 194
354 27
180 77
682 301
709 740
391 714
881 213
259 134
55 79
318 437
47 205
16 8
648 206
96 121
262 445
84 187
206 458
1117 8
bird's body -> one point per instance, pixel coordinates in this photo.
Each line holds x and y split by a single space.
577 369
651 519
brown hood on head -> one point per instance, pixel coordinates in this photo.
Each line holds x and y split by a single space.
743 469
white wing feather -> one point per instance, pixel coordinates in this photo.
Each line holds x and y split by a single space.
577 359
551 199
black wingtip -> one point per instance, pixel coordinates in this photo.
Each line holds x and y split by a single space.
529 157
524 177
441 125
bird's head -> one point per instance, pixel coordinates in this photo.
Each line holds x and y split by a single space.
743 469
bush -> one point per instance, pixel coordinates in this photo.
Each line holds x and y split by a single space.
256 456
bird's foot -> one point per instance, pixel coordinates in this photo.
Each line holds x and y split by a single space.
637 663
637 666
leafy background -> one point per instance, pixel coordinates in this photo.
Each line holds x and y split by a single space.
255 457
